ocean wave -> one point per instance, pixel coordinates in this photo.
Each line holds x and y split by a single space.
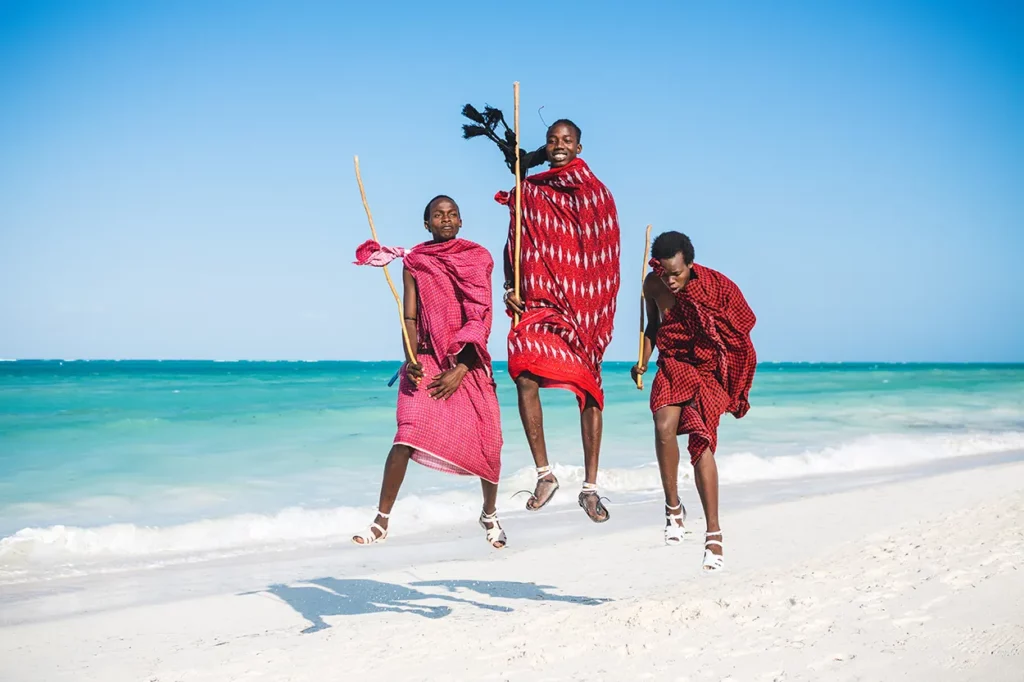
865 454
72 547
60 550
862 454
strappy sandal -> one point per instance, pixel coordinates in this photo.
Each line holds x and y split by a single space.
713 562
371 538
674 532
539 502
495 535
590 489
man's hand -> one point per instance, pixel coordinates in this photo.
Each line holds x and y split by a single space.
414 371
514 303
637 371
446 383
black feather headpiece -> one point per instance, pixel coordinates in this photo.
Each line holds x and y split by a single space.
487 123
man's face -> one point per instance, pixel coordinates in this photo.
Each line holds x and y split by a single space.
677 272
445 221
563 145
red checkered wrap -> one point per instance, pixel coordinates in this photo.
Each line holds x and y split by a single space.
373 253
460 435
706 360
569 279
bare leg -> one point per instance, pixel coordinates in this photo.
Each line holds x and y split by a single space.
532 416
666 445
591 427
490 496
528 388
490 509
705 473
394 473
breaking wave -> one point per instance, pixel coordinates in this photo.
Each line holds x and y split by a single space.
26 552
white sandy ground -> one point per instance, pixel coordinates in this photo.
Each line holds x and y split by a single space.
921 579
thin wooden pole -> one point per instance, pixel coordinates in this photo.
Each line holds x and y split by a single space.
519 201
387 275
643 278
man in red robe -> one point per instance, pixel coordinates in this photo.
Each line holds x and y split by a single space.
451 421
700 324
569 280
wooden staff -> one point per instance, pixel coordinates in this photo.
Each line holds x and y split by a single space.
519 201
387 275
643 278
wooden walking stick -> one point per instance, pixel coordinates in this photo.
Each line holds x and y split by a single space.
643 278
401 311
519 202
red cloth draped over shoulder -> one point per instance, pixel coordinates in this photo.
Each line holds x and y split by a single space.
460 435
569 279
706 359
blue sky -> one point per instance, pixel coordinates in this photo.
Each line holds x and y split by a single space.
176 178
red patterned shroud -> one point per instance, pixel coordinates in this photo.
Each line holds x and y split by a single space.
569 279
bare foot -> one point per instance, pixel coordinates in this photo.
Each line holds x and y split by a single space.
674 530
713 545
592 505
495 534
543 493
374 532
677 511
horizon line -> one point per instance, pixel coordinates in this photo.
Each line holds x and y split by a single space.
397 360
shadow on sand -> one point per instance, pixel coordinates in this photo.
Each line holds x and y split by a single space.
315 599
505 589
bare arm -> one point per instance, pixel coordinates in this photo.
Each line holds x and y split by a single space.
653 323
513 303
653 316
410 304
467 357
507 262
446 383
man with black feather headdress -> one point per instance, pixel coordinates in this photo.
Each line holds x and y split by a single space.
569 281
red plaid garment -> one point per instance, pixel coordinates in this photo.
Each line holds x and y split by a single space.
373 253
569 279
706 360
460 435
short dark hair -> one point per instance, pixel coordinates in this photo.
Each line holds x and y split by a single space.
565 121
426 211
668 244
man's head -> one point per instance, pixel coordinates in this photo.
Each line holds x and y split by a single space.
563 143
675 253
441 218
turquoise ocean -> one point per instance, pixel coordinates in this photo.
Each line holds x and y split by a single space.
154 461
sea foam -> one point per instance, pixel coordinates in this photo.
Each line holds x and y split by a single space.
32 550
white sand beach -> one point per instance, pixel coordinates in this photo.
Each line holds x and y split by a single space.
915 575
